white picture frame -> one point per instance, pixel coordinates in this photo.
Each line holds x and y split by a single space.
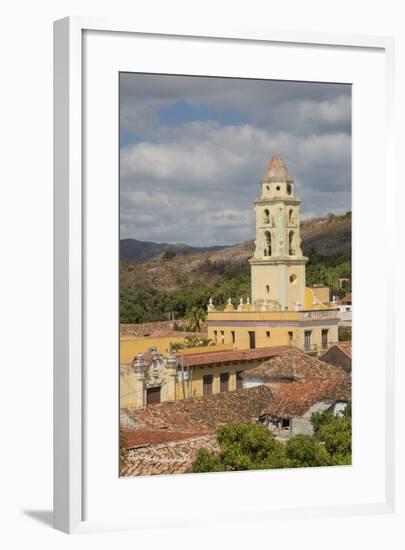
72 385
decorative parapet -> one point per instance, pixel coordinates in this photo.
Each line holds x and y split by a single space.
229 306
259 316
248 306
319 314
267 305
273 308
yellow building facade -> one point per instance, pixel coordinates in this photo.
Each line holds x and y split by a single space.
283 311
151 377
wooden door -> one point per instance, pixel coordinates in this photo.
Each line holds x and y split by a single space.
207 384
153 395
224 382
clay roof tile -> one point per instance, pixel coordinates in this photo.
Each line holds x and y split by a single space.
276 168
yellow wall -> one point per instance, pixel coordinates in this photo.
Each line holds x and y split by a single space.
196 386
129 347
316 337
315 294
131 389
203 349
278 335
271 281
321 293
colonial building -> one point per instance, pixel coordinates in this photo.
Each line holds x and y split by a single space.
152 377
282 310
302 385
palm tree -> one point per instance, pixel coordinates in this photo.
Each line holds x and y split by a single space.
196 317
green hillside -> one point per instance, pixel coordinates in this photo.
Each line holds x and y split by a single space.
152 290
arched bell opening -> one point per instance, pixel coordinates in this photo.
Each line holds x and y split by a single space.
291 250
267 247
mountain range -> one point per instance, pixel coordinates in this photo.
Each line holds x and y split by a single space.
144 267
134 250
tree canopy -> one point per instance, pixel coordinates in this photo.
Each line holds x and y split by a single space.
253 447
168 254
140 305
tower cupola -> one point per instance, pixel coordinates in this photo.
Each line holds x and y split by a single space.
276 181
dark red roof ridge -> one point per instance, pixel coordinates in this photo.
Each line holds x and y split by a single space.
231 355
295 399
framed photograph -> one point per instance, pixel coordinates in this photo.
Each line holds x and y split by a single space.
220 197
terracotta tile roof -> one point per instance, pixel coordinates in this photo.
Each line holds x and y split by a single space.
168 458
295 365
165 438
212 357
345 347
153 451
143 329
140 438
200 415
295 399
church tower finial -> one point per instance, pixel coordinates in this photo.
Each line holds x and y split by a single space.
278 266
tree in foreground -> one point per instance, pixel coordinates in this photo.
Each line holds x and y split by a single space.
335 434
253 447
243 447
305 451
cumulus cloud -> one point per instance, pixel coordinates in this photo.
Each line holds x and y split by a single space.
195 181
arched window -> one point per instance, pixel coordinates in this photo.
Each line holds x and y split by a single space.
291 216
267 248
266 217
291 250
289 188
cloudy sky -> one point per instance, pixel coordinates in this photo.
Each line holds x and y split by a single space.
194 149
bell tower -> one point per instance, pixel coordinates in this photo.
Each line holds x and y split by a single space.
278 266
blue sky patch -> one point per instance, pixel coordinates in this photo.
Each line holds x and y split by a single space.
182 112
